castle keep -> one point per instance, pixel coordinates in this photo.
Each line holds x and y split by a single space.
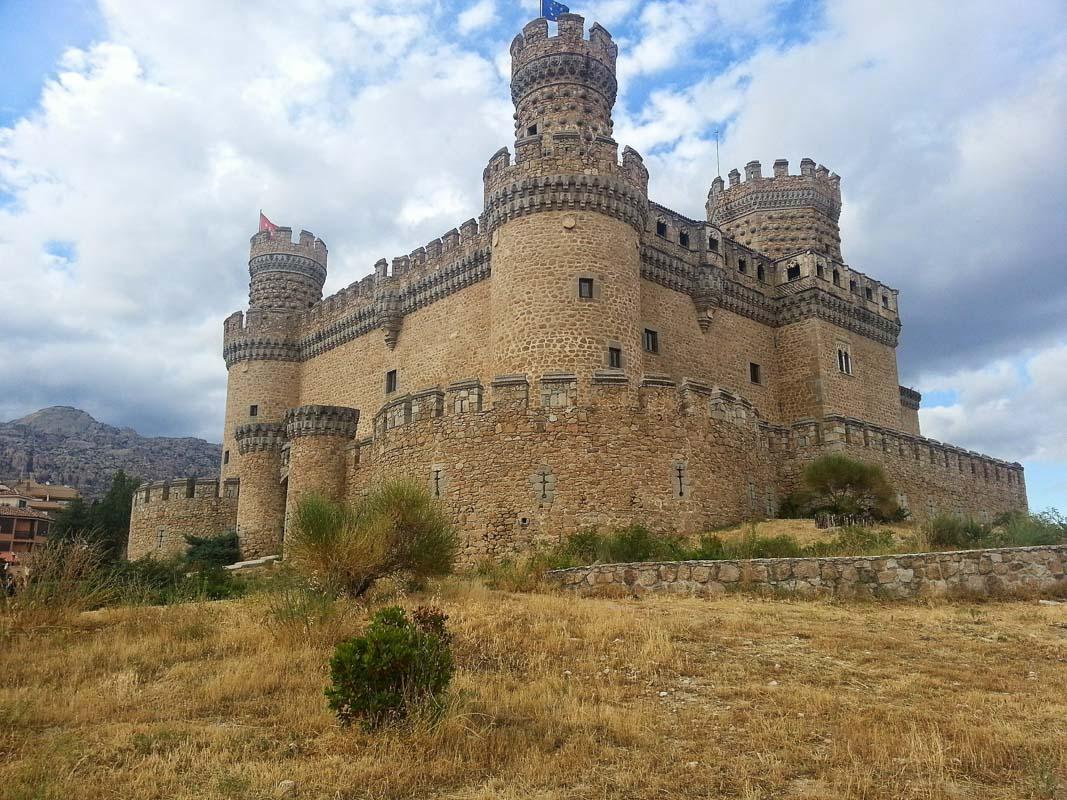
577 356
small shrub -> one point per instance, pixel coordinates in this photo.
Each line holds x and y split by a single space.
396 665
158 582
1029 530
397 528
212 551
955 532
855 541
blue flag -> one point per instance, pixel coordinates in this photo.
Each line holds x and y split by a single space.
550 9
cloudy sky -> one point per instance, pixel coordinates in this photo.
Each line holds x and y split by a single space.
139 140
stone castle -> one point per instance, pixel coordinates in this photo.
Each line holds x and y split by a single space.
577 356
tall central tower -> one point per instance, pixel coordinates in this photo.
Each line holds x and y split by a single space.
565 217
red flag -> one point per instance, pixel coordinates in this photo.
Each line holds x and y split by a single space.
266 225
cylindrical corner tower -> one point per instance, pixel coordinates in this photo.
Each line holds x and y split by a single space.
286 275
263 365
261 504
783 214
564 220
318 437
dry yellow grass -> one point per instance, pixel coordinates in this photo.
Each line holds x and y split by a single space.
555 698
805 532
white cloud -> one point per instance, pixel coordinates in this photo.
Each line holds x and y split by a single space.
1015 411
480 15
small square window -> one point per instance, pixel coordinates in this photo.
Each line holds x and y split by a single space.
390 381
585 288
742 266
615 357
531 131
661 229
754 373
226 457
793 272
651 341
713 244
253 411
683 238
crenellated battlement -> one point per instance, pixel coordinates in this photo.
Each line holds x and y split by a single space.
780 214
184 489
534 42
286 275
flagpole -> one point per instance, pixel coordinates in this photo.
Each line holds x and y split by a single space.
718 169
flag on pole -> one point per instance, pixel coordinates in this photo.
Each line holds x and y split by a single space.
266 225
550 9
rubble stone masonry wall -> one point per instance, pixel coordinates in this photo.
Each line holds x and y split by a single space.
164 512
981 572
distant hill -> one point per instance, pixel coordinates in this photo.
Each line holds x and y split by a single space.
66 445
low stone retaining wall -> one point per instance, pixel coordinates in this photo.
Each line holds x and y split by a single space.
989 572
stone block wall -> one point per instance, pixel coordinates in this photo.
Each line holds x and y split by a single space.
983 572
517 474
931 478
164 512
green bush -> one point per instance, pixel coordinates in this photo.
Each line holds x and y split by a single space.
842 485
158 582
395 665
397 528
712 548
948 531
212 551
626 545
1029 530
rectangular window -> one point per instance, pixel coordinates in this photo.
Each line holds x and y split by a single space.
7 525
819 269
793 272
585 288
754 373
844 360
531 131
885 301
651 341
870 293
225 456
742 266
390 381
253 411
615 357
159 541
683 238
661 229
713 244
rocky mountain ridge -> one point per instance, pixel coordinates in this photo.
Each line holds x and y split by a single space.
66 445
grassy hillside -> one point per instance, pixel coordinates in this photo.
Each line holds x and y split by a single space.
553 698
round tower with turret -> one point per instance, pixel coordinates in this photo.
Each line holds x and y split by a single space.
782 214
262 359
564 219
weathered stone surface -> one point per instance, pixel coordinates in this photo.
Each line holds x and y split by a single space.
894 577
580 356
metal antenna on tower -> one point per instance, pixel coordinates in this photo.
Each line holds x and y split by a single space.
718 170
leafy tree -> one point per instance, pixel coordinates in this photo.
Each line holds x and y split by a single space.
103 523
842 485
